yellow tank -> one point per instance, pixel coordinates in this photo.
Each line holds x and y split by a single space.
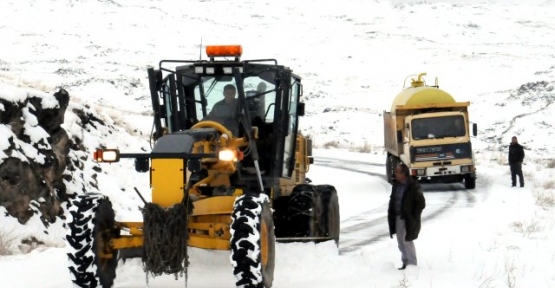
419 95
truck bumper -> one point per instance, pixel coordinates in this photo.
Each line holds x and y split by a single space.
439 171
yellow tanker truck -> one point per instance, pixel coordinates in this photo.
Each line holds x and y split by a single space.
429 131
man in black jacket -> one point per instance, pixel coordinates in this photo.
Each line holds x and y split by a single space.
405 209
516 156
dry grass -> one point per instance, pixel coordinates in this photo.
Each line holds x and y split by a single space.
6 243
510 270
331 144
526 229
550 164
546 199
549 185
404 283
366 148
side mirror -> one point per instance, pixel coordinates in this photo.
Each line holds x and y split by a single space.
475 129
194 165
300 109
399 136
141 165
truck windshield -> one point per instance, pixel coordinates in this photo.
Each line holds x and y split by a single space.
438 127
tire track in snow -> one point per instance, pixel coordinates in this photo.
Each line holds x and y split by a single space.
379 225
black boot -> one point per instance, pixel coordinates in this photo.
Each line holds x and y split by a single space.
402 267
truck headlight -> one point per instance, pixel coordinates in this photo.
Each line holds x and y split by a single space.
465 169
421 172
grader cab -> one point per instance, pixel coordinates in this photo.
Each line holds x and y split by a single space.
227 171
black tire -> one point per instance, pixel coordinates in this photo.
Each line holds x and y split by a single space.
330 216
304 212
279 206
89 230
252 231
129 253
469 181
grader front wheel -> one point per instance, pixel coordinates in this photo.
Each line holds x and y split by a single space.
253 242
91 261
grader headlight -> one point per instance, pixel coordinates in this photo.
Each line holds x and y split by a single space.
230 155
227 155
106 155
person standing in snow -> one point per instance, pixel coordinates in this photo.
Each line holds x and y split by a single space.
516 156
405 209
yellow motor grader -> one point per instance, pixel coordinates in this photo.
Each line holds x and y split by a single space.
226 173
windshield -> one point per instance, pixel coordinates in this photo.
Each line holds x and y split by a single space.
220 100
438 127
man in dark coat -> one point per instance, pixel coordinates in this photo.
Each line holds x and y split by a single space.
516 156
405 209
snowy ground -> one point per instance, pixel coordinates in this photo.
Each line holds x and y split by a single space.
353 56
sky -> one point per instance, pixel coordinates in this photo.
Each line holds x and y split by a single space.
353 57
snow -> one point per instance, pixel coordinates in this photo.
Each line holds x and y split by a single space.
352 56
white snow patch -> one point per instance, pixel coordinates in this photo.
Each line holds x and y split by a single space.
49 102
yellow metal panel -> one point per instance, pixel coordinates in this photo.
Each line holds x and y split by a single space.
126 242
167 181
214 205
211 218
206 242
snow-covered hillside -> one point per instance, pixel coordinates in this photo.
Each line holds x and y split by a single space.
353 57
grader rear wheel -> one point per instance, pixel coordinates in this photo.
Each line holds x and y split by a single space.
91 261
253 242
330 215
304 213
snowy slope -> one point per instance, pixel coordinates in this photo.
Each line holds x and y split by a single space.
353 57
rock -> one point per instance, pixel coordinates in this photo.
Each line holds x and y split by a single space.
37 156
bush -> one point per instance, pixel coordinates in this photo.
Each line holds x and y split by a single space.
331 144
366 148
545 199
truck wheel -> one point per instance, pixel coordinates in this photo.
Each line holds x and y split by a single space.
304 213
330 215
469 182
92 263
252 242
